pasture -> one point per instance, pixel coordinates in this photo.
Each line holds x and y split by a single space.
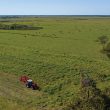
53 56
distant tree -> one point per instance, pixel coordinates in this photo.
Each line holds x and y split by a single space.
107 49
103 40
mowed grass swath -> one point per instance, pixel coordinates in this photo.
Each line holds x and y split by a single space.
53 56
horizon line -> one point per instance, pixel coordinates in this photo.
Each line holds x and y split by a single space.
54 15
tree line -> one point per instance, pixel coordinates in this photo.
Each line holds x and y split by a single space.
18 27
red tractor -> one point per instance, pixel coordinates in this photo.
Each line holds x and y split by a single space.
29 83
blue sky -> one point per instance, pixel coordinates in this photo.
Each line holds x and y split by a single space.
54 7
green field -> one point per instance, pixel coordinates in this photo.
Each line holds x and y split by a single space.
53 57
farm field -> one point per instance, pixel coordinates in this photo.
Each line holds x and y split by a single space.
53 56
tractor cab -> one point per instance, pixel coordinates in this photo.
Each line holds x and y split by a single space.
29 83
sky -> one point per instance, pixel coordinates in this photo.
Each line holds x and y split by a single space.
54 7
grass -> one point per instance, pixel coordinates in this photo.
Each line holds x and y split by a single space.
54 57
